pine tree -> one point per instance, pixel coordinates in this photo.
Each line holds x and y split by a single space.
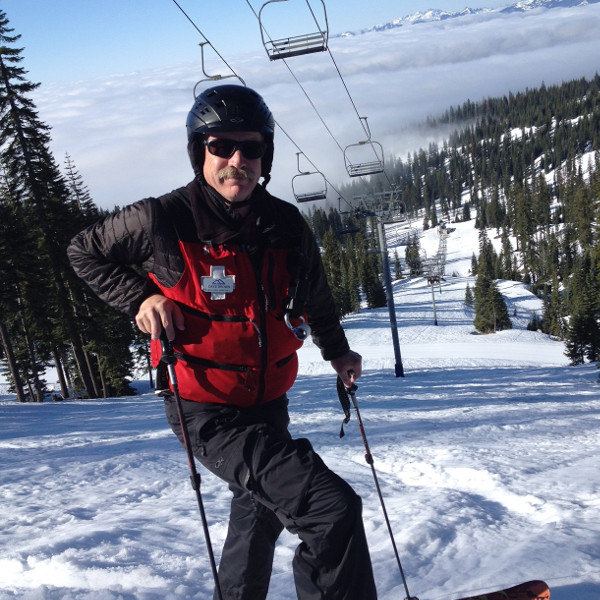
578 338
79 192
499 309
505 259
552 321
484 315
474 264
29 167
491 313
412 256
469 299
333 264
354 266
18 254
372 285
397 265
582 211
583 330
47 215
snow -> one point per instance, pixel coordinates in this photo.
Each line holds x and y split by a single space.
487 453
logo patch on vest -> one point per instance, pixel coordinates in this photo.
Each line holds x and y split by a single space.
217 283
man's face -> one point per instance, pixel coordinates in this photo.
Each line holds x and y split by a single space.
234 177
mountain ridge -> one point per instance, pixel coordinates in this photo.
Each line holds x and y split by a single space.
435 14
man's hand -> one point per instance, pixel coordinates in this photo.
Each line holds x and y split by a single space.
157 313
348 367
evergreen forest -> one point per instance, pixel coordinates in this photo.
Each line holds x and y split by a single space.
511 164
514 166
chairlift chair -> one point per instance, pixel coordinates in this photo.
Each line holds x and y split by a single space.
296 45
391 208
308 186
359 168
208 77
400 214
349 229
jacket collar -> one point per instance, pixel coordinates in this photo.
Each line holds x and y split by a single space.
217 222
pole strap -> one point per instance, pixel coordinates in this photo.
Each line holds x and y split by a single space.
344 398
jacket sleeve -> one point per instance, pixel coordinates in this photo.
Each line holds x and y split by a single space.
323 318
113 255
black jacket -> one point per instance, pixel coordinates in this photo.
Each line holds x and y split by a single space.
114 256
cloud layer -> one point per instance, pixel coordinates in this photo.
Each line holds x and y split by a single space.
126 134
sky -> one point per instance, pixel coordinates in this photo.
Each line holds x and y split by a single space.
67 40
487 454
118 81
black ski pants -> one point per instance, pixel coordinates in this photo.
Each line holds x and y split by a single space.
279 482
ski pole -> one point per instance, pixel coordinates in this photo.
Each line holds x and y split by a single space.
343 393
169 358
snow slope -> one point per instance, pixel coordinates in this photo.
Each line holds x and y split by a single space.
487 452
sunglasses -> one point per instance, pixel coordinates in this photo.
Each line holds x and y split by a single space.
224 148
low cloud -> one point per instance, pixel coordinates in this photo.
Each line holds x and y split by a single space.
126 134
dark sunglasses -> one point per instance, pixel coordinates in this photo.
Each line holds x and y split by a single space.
224 148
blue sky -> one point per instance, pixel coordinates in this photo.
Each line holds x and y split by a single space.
80 39
118 78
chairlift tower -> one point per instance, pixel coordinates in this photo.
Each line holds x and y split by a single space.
383 212
442 252
432 280
437 267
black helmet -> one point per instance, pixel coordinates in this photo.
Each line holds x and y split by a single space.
226 108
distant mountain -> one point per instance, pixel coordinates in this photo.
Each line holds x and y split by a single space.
530 4
443 15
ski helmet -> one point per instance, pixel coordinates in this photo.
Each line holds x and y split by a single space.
227 108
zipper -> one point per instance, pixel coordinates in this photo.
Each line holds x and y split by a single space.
263 300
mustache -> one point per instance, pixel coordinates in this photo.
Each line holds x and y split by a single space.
235 173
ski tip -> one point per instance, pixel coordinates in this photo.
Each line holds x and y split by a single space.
541 589
536 589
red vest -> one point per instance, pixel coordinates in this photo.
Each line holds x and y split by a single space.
236 348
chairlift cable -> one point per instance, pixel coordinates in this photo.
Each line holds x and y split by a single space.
361 119
285 62
314 106
333 187
310 162
312 13
206 39
345 87
298 81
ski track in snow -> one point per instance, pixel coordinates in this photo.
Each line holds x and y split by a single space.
487 453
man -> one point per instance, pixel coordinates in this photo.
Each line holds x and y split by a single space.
232 275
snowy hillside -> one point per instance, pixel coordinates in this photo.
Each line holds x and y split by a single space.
487 452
